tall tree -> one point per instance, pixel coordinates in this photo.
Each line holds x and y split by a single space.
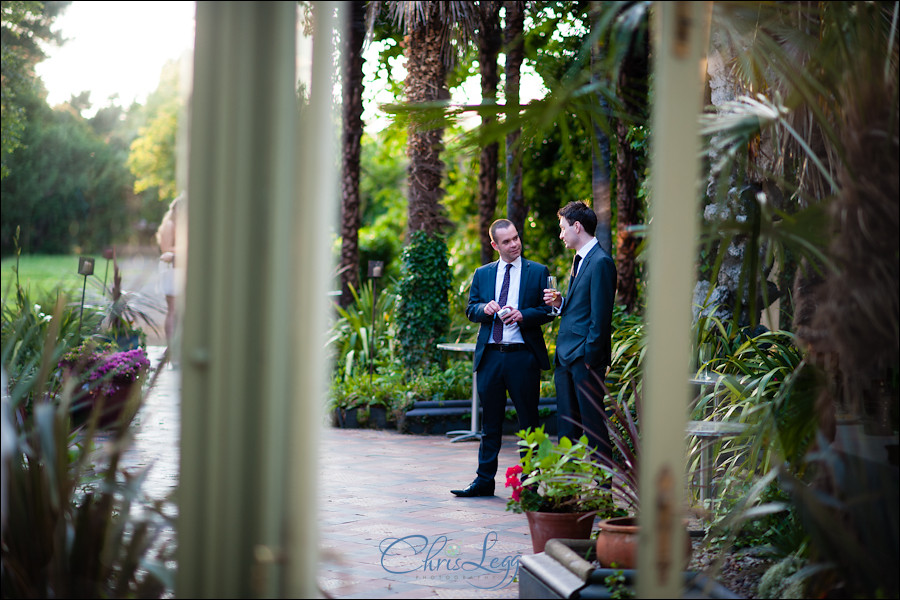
430 28
514 44
622 59
489 40
633 86
23 25
350 151
152 158
601 183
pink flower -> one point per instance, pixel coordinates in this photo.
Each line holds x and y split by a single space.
513 470
517 494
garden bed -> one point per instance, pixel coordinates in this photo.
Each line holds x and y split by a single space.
430 417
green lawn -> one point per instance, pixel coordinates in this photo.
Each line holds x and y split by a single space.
40 272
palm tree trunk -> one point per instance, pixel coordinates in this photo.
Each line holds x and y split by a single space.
488 49
425 82
351 147
515 54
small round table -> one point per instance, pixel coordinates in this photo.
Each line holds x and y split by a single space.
475 432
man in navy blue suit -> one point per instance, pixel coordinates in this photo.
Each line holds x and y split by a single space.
510 351
583 345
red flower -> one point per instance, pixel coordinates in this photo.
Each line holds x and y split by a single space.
517 494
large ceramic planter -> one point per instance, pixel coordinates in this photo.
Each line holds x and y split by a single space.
617 543
547 526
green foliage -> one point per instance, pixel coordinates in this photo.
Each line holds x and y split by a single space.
560 477
28 326
358 346
152 155
72 529
779 580
24 24
625 376
361 389
777 534
555 171
760 381
382 203
422 317
451 383
617 584
66 188
388 387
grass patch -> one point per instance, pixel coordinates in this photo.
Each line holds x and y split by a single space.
45 272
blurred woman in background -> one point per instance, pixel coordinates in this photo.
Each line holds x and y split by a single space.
165 237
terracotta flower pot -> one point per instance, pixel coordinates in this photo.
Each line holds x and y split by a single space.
546 526
617 543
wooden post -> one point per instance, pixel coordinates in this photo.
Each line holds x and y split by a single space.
681 34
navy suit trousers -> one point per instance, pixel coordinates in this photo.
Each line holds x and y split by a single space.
579 398
499 372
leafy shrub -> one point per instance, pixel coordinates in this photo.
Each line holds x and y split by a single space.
363 335
71 530
422 318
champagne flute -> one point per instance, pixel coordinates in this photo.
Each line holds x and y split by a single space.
551 285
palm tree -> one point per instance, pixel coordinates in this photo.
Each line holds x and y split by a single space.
429 29
351 132
489 40
513 39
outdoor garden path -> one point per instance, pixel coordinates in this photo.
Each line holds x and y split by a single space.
390 528
375 488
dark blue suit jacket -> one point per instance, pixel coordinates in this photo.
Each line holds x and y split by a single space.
531 304
585 327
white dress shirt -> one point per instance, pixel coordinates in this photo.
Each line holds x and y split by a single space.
511 333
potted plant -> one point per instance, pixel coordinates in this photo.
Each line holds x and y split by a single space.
559 487
617 536
79 524
107 377
126 313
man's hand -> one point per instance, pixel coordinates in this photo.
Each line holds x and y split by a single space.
552 298
513 316
491 308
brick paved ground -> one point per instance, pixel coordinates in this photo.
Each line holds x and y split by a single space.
389 527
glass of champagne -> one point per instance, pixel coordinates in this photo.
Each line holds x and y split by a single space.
551 285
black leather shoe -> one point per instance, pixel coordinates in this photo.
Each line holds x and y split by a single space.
475 490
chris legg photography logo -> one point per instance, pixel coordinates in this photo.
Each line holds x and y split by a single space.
439 559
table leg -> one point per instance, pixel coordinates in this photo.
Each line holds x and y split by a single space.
475 432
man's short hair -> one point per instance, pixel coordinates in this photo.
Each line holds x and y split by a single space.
581 212
499 224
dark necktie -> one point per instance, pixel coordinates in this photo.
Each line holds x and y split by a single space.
574 269
497 331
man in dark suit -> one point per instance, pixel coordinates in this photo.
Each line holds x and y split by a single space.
510 351
583 345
